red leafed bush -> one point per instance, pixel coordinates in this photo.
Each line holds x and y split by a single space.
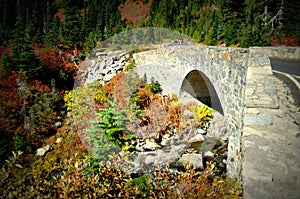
286 40
58 65
11 103
38 86
11 117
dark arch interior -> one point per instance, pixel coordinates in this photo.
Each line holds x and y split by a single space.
200 87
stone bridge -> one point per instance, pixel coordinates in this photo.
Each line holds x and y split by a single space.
237 82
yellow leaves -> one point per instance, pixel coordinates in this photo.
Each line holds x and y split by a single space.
127 146
202 114
100 94
68 98
79 102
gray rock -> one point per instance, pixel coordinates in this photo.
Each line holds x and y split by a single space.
151 145
150 158
58 124
218 126
108 77
153 159
194 160
201 131
297 117
42 151
209 154
196 138
180 149
161 159
209 144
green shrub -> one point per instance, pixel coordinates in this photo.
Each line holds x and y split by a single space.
100 94
108 133
130 66
154 86
141 186
135 107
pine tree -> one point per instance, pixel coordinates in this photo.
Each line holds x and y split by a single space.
291 18
72 26
22 56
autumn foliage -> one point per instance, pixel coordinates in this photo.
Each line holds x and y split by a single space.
30 105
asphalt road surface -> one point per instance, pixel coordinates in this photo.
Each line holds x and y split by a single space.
289 72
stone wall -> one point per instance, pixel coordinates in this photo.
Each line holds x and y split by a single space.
103 66
260 112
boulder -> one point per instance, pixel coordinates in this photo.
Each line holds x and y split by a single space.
209 154
151 145
149 160
188 160
58 124
180 149
108 77
42 151
197 138
209 144
218 127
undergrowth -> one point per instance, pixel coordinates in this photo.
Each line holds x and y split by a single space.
78 177
75 169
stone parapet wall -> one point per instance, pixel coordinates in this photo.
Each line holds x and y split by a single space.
281 52
261 115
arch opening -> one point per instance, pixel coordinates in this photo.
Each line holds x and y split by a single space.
196 85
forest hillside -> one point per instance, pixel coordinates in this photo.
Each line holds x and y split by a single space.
43 45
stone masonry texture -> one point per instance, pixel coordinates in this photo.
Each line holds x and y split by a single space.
248 94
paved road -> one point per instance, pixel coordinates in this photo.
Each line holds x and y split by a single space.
291 67
289 72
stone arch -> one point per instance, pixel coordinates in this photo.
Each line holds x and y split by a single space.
198 86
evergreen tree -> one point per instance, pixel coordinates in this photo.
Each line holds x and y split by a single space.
72 25
291 18
22 56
